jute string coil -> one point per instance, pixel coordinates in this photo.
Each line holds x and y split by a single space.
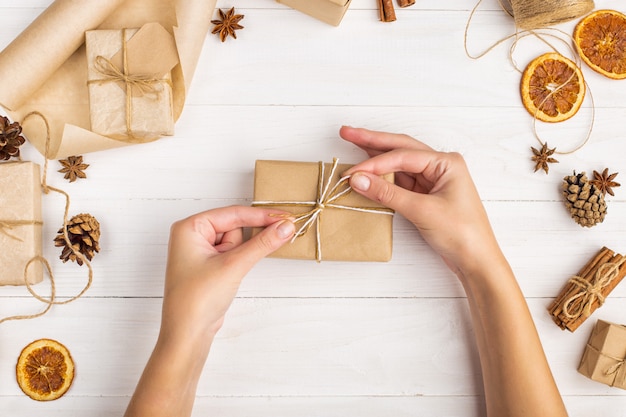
327 196
46 189
534 14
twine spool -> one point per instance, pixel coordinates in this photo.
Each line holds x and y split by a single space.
533 14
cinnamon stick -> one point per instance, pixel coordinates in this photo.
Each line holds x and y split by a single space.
572 326
570 288
406 3
576 298
387 12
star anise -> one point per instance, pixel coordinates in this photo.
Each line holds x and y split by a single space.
543 157
73 168
227 24
604 182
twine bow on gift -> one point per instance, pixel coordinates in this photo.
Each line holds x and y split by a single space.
327 197
146 84
613 370
618 379
591 290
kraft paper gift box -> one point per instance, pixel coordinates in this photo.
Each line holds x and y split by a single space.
358 230
20 222
605 355
129 79
329 11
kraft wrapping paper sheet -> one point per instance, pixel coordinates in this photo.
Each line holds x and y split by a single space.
45 68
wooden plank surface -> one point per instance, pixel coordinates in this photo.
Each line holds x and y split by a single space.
335 338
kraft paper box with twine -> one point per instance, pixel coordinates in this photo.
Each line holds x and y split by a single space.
130 86
44 69
328 11
605 355
332 221
20 222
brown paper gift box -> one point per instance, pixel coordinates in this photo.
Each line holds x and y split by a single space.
605 355
150 55
329 11
20 222
345 235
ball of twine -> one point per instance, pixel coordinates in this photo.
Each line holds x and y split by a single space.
533 14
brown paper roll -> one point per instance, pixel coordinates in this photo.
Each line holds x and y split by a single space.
50 36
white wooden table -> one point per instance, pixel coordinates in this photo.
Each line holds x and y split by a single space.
329 339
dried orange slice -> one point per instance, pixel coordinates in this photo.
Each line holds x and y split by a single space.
45 370
552 88
600 39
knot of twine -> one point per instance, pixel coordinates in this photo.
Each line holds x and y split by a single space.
6 225
327 196
146 84
591 290
613 369
46 189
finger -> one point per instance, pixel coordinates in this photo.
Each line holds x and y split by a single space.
229 240
374 142
411 162
246 255
213 222
390 195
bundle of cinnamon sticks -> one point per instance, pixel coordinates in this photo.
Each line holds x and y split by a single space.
586 291
387 12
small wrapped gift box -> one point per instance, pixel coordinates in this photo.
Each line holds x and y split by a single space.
129 78
605 355
332 221
20 222
329 11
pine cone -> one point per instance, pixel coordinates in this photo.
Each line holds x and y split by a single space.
584 200
10 139
83 231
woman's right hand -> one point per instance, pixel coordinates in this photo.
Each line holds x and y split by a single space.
433 190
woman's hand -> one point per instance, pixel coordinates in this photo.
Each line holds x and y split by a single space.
207 261
433 190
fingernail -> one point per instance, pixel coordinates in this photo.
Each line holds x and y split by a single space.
286 229
360 182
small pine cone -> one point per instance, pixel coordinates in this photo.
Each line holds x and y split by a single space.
584 200
83 231
10 139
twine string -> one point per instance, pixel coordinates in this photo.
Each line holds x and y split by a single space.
518 35
50 301
591 290
327 196
146 84
613 369
7 225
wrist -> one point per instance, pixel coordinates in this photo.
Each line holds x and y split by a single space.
186 352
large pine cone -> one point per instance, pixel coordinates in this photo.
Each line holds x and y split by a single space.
584 200
10 139
83 231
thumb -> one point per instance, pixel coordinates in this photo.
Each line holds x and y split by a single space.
382 191
262 244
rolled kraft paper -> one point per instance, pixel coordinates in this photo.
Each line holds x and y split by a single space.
533 14
63 98
56 34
